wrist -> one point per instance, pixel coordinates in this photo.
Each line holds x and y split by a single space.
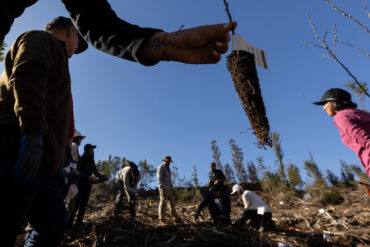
156 47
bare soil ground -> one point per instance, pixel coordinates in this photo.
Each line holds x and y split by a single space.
298 223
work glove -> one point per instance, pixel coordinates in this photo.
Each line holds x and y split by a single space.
29 158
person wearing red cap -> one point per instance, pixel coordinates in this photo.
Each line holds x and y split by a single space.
353 124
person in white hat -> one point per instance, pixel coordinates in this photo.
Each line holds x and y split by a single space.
77 139
255 208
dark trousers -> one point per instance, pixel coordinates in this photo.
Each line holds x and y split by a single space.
256 219
39 201
81 200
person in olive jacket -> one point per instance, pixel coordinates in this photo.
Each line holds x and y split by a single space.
86 167
102 28
35 92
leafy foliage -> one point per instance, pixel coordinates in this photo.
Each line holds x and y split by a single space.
252 172
347 175
229 173
216 155
314 172
276 143
147 173
195 176
294 176
237 158
109 167
332 178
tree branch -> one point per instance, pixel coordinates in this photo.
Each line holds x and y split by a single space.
356 47
228 14
364 5
349 16
335 38
335 57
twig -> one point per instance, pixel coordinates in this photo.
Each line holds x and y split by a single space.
309 43
228 14
335 38
324 44
356 47
347 15
364 5
326 56
326 33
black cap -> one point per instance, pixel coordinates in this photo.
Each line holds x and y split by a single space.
334 94
63 22
88 146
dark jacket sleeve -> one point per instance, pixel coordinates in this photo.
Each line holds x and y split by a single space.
33 58
9 10
100 26
96 173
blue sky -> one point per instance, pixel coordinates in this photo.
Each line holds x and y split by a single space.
147 112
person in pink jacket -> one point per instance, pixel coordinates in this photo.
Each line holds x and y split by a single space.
353 124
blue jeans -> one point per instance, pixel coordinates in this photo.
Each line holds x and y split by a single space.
40 201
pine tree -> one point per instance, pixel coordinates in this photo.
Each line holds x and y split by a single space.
147 173
347 175
109 167
229 173
314 172
332 178
216 155
276 143
237 158
294 176
252 172
362 176
195 176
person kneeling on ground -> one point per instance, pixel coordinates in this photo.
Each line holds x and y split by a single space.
218 203
252 205
126 182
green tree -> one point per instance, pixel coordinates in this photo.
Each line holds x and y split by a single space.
177 180
276 143
147 173
109 167
2 49
294 176
332 178
358 91
347 175
229 173
261 166
237 158
195 176
216 155
362 176
252 172
314 172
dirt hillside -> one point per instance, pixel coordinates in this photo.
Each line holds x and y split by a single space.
298 223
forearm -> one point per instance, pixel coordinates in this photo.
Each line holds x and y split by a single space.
101 27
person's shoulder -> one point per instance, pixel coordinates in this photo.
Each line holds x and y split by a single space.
350 114
38 35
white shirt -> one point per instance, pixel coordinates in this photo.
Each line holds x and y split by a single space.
74 152
124 176
252 201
